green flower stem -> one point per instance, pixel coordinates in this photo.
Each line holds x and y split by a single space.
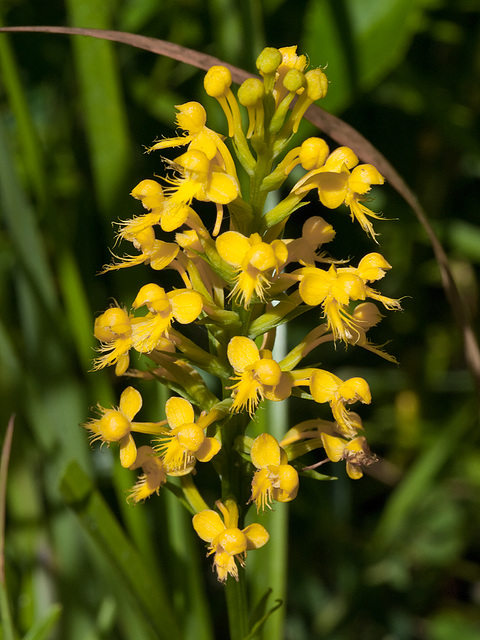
258 195
192 494
282 210
237 607
232 468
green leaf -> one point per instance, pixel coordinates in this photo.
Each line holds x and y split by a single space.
42 628
360 41
102 101
261 614
31 150
135 575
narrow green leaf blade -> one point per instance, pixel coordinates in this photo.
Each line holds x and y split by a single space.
43 627
359 41
102 101
99 523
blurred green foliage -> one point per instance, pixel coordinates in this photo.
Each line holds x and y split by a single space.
395 555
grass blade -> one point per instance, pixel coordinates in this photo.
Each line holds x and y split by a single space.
99 523
7 623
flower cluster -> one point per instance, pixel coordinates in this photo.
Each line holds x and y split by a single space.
240 276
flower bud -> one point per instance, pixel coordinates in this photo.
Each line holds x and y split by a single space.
294 80
317 84
269 60
313 153
217 81
251 92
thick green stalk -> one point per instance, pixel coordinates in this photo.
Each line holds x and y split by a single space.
237 607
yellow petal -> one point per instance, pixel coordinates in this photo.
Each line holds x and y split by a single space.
186 305
233 541
128 451
209 448
313 153
354 389
347 286
151 295
372 267
281 252
225 565
174 214
268 372
162 254
229 511
282 390
130 402
363 176
342 156
242 352
331 188
147 188
256 535
190 437
288 477
208 524
323 385
314 287
110 325
204 143
223 188
261 256
334 447
122 365
262 489
232 247
354 471
265 451
179 412
191 116
113 426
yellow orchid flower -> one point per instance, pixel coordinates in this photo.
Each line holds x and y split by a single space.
114 330
327 387
355 452
274 479
192 118
315 232
290 60
341 181
335 288
153 477
185 441
202 179
202 175
258 262
116 425
157 253
183 305
258 375
226 541
162 211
